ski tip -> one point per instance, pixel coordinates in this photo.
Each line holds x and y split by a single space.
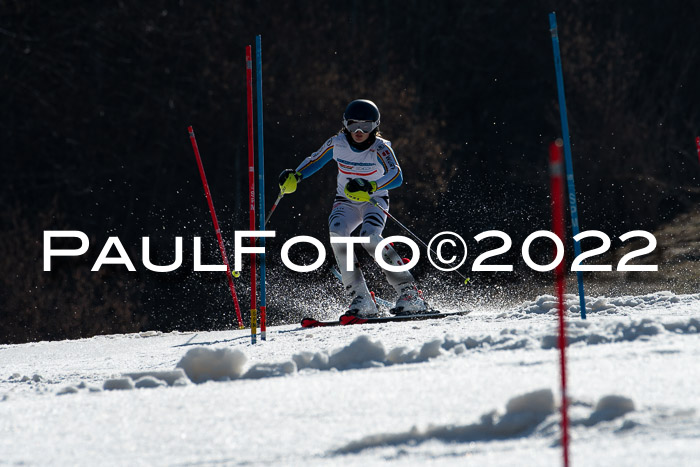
350 319
309 322
314 323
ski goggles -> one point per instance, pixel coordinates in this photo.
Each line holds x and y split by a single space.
360 125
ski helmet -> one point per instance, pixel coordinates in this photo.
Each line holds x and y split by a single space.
361 114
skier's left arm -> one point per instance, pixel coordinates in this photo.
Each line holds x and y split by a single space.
392 177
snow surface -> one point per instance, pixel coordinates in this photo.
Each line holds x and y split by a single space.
481 389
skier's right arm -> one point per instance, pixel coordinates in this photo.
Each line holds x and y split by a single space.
315 161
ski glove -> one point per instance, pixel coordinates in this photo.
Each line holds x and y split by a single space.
288 181
359 189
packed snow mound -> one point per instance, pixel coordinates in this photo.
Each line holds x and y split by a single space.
269 370
118 384
530 414
202 364
625 330
363 352
175 377
136 380
608 408
589 332
547 304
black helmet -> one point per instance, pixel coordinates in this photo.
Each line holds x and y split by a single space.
361 110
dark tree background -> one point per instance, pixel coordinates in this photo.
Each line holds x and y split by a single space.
97 98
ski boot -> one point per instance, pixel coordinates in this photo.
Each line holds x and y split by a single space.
410 302
362 307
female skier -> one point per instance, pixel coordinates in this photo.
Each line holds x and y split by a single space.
367 170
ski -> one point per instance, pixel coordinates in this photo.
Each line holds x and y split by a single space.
345 320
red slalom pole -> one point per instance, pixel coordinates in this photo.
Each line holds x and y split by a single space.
261 185
251 193
557 190
216 227
697 145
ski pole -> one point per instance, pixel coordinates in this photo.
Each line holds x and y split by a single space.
274 206
375 203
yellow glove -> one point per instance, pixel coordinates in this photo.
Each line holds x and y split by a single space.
288 181
359 189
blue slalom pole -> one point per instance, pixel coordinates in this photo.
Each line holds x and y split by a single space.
261 183
567 154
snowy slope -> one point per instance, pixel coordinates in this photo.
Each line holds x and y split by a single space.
481 388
